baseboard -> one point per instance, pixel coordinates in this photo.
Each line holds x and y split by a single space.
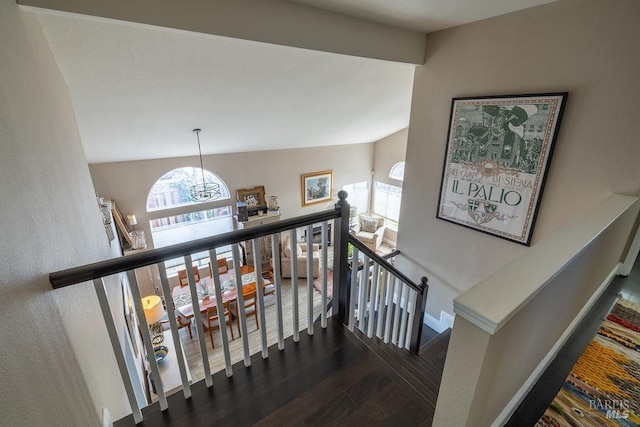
513 404
445 322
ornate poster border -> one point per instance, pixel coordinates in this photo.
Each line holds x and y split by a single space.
497 160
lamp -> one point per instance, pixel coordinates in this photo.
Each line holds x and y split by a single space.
131 219
353 212
153 312
205 191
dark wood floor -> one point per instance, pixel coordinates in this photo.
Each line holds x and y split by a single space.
546 389
331 378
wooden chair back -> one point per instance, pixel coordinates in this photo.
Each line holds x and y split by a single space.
184 280
250 307
222 267
212 320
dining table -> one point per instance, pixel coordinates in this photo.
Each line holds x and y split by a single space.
206 292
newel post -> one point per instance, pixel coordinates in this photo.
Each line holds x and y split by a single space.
418 318
340 271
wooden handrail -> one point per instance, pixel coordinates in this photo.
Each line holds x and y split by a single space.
383 263
111 266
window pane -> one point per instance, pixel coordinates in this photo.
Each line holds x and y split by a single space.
397 171
358 196
386 200
176 229
172 189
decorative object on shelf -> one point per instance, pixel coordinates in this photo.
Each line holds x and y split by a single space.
243 213
254 198
122 226
272 203
207 190
138 240
106 218
317 187
160 352
153 312
497 159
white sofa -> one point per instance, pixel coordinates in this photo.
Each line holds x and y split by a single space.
370 231
285 258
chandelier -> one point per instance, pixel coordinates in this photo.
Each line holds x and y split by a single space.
206 190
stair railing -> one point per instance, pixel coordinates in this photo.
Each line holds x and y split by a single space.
398 300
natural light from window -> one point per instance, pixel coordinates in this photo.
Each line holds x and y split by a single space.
358 196
386 202
172 189
397 171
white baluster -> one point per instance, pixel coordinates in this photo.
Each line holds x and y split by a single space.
101 292
275 250
257 262
222 318
309 283
388 324
354 288
240 304
146 339
294 286
166 291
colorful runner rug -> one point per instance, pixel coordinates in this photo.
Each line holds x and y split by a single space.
603 389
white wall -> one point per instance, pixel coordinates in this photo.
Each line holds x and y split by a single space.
128 183
57 364
579 46
504 338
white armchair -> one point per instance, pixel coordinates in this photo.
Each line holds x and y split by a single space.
370 231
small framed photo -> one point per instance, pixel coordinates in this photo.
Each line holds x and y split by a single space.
498 154
254 199
317 187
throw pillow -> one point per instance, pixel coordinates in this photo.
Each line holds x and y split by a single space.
286 247
369 225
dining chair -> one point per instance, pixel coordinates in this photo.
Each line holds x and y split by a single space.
222 266
184 280
183 322
250 309
212 321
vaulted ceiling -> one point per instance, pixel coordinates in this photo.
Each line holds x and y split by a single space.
140 86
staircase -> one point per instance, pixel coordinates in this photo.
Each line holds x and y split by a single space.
422 372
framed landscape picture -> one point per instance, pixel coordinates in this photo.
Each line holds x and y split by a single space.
317 187
497 158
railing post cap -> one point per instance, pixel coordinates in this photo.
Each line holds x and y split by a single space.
342 195
423 282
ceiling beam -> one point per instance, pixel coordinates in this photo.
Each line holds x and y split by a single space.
270 21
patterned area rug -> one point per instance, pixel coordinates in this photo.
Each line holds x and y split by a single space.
603 389
317 283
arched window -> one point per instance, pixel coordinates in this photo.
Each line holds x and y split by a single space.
397 171
190 221
172 189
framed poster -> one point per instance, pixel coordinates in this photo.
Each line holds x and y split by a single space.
496 162
317 187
